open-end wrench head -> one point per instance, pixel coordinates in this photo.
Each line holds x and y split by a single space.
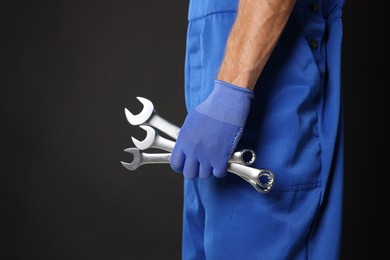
144 115
149 139
136 159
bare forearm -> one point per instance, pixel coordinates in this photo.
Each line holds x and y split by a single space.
254 34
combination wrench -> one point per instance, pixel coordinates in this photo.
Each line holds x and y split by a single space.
154 140
149 116
141 158
262 180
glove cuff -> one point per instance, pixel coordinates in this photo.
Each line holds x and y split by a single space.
227 103
219 83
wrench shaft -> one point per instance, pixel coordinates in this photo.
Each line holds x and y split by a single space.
155 158
163 125
163 143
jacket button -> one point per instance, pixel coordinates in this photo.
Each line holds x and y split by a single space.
313 44
313 7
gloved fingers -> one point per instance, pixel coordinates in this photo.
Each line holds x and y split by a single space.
205 170
219 171
191 168
177 161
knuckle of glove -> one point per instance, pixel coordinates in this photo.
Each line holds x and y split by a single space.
177 161
191 169
219 171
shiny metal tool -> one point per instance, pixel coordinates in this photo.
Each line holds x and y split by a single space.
154 140
141 158
262 180
149 116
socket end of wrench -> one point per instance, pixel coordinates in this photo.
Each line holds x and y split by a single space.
265 181
244 157
248 156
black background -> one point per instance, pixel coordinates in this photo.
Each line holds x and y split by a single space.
67 71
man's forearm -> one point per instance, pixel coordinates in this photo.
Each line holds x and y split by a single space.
254 34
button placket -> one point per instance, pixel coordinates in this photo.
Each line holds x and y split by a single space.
313 7
313 44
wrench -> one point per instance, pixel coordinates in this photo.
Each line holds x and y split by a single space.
261 180
149 116
141 158
154 140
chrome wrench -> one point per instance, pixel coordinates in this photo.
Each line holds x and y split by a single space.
141 158
261 180
154 140
149 116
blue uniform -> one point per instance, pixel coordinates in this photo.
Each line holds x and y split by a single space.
294 126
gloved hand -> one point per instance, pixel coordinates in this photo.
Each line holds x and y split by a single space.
211 131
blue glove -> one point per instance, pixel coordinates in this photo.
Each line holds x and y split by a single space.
211 131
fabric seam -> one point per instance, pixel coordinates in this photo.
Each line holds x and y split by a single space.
210 14
299 187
